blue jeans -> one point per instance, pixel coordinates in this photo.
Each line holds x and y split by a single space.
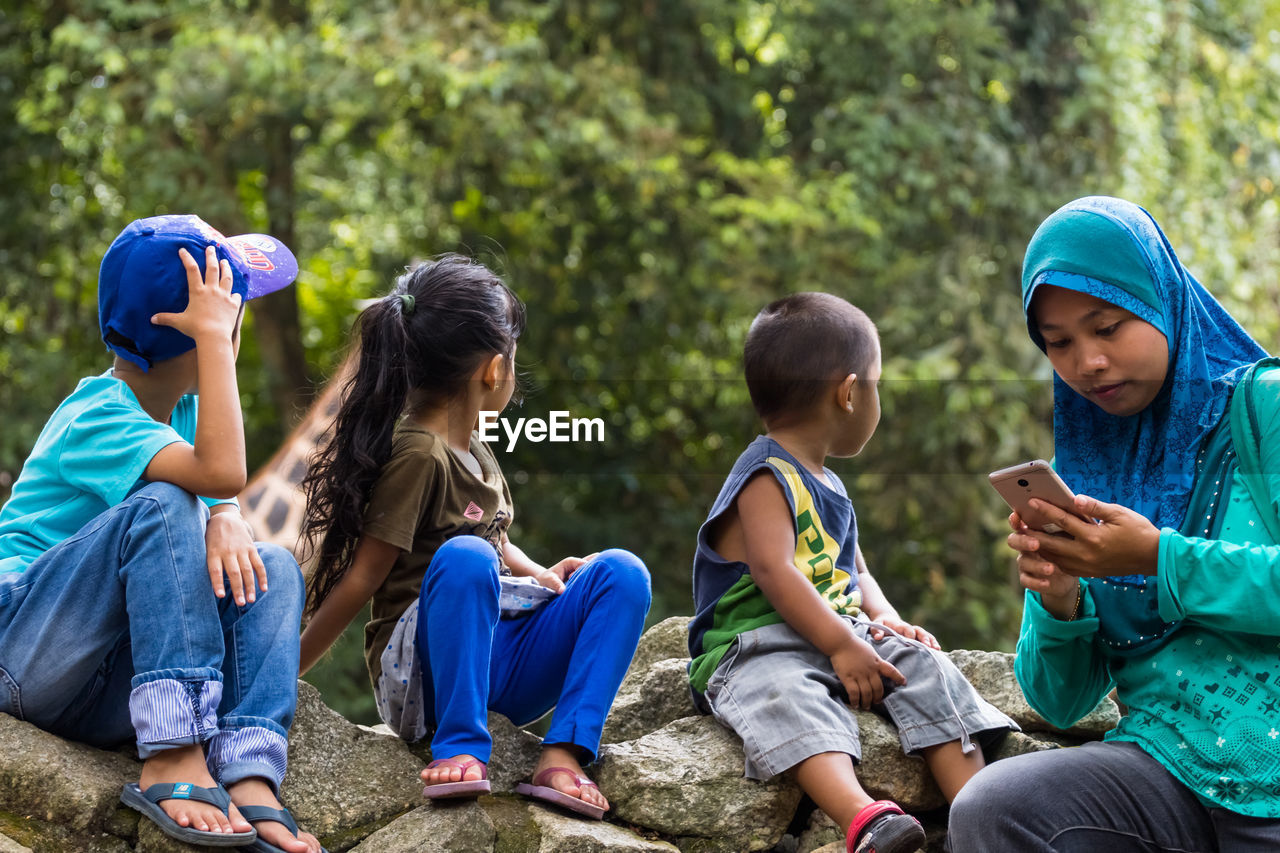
115 634
1110 797
571 654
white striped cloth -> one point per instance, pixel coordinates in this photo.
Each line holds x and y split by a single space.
237 754
168 712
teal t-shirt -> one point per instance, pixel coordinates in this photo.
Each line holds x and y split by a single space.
1206 703
89 457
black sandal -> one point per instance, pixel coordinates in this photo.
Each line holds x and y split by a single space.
148 802
257 814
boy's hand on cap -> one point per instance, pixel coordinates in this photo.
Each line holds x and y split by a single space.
212 309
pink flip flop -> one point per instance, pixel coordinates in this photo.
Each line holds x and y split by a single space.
543 792
465 788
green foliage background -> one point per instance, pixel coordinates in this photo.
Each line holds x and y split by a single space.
648 175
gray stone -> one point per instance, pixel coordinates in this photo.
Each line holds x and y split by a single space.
38 837
674 779
1018 743
564 834
820 832
344 782
518 832
461 826
887 773
694 844
649 698
95 843
992 674
686 780
41 837
515 752
667 639
56 781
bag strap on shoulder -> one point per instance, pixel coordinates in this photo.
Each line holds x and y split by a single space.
1246 436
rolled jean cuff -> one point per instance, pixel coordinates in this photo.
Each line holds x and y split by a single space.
167 712
257 749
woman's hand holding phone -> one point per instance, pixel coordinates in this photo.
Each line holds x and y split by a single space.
1119 542
1061 537
1057 589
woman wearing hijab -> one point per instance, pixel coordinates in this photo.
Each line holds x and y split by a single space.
1166 430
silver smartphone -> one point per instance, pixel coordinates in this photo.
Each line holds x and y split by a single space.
1018 484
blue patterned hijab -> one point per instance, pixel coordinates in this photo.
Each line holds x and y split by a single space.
1114 250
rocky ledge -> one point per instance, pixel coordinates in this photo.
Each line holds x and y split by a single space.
674 779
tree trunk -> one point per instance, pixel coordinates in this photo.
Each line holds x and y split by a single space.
275 316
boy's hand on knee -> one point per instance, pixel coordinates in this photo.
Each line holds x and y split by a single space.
905 629
862 672
231 553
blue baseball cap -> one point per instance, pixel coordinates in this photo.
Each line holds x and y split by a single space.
142 275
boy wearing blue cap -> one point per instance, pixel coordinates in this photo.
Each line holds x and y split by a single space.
115 618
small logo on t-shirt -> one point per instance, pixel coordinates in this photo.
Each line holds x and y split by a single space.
473 512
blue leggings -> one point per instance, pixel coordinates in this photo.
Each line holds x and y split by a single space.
570 655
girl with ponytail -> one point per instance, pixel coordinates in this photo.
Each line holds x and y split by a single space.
410 509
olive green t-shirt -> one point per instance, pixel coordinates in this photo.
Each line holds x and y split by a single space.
424 496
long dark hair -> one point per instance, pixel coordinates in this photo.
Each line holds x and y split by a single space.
417 346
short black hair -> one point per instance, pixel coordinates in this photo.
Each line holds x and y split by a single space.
798 345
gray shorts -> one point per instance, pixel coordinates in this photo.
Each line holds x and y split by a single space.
781 696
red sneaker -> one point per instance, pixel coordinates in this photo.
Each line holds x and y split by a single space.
883 827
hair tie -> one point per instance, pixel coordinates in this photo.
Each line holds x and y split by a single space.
406 303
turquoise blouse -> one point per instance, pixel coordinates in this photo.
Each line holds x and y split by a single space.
1206 703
